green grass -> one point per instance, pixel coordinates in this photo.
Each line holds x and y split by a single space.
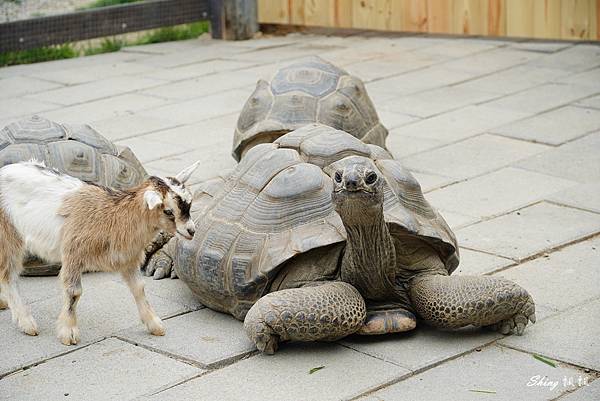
172 33
107 45
37 55
106 3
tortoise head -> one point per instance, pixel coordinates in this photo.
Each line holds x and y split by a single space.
358 190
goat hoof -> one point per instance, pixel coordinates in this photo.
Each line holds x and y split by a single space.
156 328
3 304
28 325
68 335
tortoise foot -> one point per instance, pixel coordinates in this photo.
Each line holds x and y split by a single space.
516 324
390 321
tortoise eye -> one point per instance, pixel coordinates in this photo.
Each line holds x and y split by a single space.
338 177
371 178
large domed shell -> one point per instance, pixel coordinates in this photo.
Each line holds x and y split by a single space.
77 150
277 204
309 91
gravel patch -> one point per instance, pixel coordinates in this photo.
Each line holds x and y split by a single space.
11 10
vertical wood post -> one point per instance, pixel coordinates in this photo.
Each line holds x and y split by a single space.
233 19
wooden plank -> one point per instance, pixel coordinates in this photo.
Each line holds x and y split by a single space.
273 12
233 19
575 19
440 14
343 13
595 18
99 22
496 14
470 17
519 18
296 12
546 19
413 15
319 13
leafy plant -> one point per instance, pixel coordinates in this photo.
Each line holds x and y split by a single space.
106 46
168 34
37 55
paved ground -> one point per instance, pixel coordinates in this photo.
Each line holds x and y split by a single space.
503 136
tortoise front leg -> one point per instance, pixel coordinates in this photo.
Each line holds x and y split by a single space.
458 301
326 311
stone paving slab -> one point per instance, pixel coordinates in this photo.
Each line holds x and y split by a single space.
285 376
106 307
478 155
589 392
477 263
491 61
578 160
460 124
513 80
554 127
205 337
437 101
130 125
116 106
12 108
422 347
584 196
555 337
542 98
572 270
496 373
20 86
497 193
576 58
593 102
529 231
203 108
83 74
94 90
97 372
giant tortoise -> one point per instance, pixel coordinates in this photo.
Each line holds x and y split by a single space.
311 90
77 150
317 236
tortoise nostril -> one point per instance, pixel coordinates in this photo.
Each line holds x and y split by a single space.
351 183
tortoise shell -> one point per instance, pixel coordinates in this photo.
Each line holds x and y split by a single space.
308 91
277 204
76 150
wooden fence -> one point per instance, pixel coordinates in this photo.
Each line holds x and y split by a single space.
544 19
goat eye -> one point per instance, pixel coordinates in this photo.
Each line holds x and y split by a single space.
168 212
371 178
338 177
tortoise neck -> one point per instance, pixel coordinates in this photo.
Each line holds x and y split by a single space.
369 261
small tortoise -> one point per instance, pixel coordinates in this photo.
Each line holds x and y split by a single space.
77 150
309 91
318 235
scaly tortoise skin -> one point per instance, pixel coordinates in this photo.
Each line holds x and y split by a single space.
309 91
77 150
301 245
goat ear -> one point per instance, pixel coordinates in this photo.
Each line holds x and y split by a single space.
187 172
152 199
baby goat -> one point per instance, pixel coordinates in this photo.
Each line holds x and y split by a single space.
86 227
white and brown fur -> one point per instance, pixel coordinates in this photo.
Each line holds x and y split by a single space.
85 227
